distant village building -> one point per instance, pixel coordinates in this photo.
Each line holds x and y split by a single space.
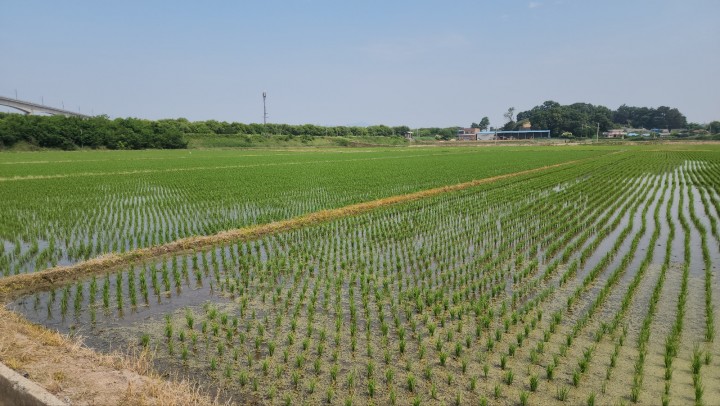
615 133
468 134
522 134
525 132
634 132
486 135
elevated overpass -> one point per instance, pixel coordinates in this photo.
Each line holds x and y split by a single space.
34 108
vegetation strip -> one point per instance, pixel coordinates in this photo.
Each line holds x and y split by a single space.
91 216
18 285
206 168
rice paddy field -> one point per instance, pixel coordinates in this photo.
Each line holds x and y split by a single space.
505 275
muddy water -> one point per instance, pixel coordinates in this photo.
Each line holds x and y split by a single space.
697 264
694 322
644 245
659 330
677 256
558 301
595 218
606 245
659 255
711 373
47 307
615 298
637 312
595 375
704 218
147 227
696 291
654 365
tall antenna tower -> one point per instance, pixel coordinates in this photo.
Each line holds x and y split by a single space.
265 115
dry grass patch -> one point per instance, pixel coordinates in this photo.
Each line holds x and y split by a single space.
81 376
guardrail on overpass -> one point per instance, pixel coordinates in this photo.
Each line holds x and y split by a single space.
33 108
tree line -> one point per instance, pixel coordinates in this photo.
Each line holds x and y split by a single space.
584 119
133 133
578 119
93 132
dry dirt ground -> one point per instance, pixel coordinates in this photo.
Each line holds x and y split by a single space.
80 376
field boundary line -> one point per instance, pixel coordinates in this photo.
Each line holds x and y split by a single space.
15 286
204 168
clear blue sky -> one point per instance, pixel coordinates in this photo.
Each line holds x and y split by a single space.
340 62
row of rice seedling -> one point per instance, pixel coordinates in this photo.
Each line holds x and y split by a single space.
100 212
576 372
129 277
709 311
464 298
584 363
644 336
555 320
673 340
563 394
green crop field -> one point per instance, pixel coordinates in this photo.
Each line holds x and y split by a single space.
590 282
58 208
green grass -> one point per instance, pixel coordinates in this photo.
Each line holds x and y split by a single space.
280 141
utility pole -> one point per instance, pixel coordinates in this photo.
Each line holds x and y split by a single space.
597 133
265 115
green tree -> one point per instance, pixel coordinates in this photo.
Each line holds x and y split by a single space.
509 126
648 117
484 123
581 119
509 114
714 127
